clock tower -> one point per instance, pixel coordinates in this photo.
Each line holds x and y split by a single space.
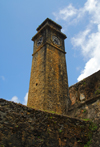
48 89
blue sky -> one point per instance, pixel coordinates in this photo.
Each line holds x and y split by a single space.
80 21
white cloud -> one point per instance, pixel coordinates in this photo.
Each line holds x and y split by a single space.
80 40
3 78
69 14
90 5
99 27
72 14
91 66
90 48
66 13
87 40
25 99
15 99
93 8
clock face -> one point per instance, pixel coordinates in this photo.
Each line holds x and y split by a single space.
56 40
39 41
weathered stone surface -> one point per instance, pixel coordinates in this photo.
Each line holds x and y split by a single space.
89 110
48 88
82 97
21 126
85 89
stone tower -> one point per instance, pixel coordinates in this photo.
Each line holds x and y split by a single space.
48 89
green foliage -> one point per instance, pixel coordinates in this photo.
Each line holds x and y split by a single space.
53 112
81 126
50 116
88 144
84 110
84 83
49 111
60 131
54 122
97 92
58 113
86 119
93 126
89 135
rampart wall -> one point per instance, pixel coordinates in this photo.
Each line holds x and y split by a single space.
85 89
21 126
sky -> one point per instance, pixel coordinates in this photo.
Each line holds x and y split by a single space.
80 21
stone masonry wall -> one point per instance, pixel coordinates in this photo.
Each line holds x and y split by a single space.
85 89
21 126
56 81
85 97
89 110
37 81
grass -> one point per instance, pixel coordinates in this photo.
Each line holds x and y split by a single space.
52 112
86 119
49 111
